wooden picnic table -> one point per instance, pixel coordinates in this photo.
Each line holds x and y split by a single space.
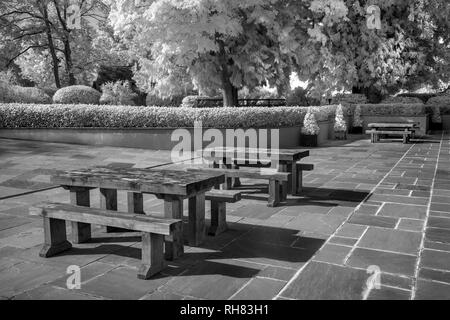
287 159
172 186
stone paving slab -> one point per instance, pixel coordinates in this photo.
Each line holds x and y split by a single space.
364 205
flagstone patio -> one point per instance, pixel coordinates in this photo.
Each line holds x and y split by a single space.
366 207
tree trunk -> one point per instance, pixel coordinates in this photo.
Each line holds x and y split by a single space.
69 63
229 92
51 46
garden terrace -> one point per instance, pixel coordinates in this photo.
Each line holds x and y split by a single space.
363 204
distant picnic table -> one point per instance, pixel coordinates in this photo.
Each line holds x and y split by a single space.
233 158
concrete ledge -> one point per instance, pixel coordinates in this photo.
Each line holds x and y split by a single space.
145 138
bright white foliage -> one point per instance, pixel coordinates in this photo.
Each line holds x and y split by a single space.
310 125
339 121
177 42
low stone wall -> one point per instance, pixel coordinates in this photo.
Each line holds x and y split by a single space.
148 138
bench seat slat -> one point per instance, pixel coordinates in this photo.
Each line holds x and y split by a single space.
135 222
230 196
400 132
246 173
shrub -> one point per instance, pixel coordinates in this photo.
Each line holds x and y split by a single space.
441 103
118 93
310 126
357 119
201 102
299 97
350 99
154 100
339 123
16 94
77 95
402 99
424 97
395 109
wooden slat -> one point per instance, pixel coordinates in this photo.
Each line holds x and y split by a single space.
400 133
230 196
136 222
232 152
305 166
392 125
246 173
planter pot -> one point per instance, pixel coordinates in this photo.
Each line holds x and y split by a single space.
307 140
356 130
340 135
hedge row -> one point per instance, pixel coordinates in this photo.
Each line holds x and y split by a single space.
397 109
74 116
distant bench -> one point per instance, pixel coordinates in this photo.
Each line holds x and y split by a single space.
406 130
153 231
300 166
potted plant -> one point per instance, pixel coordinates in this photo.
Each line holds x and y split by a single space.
357 127
310 130
340 127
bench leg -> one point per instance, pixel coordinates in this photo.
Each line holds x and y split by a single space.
236 181
152 255
274 193
218 218
173 208
81 232
299 175
55 238
196 220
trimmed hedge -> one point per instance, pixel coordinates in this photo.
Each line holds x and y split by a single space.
401 99
394 109
442 102
16 94
99 116
77 94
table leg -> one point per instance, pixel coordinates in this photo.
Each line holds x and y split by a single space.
81 232
236 181
296 179
196 219
173 208
228 181
135 202
108 201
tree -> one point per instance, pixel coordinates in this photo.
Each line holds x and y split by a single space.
45 36
213 44
411 48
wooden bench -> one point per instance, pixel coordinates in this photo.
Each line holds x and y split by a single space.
153 231
374 134
276 193
267 163
219 199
